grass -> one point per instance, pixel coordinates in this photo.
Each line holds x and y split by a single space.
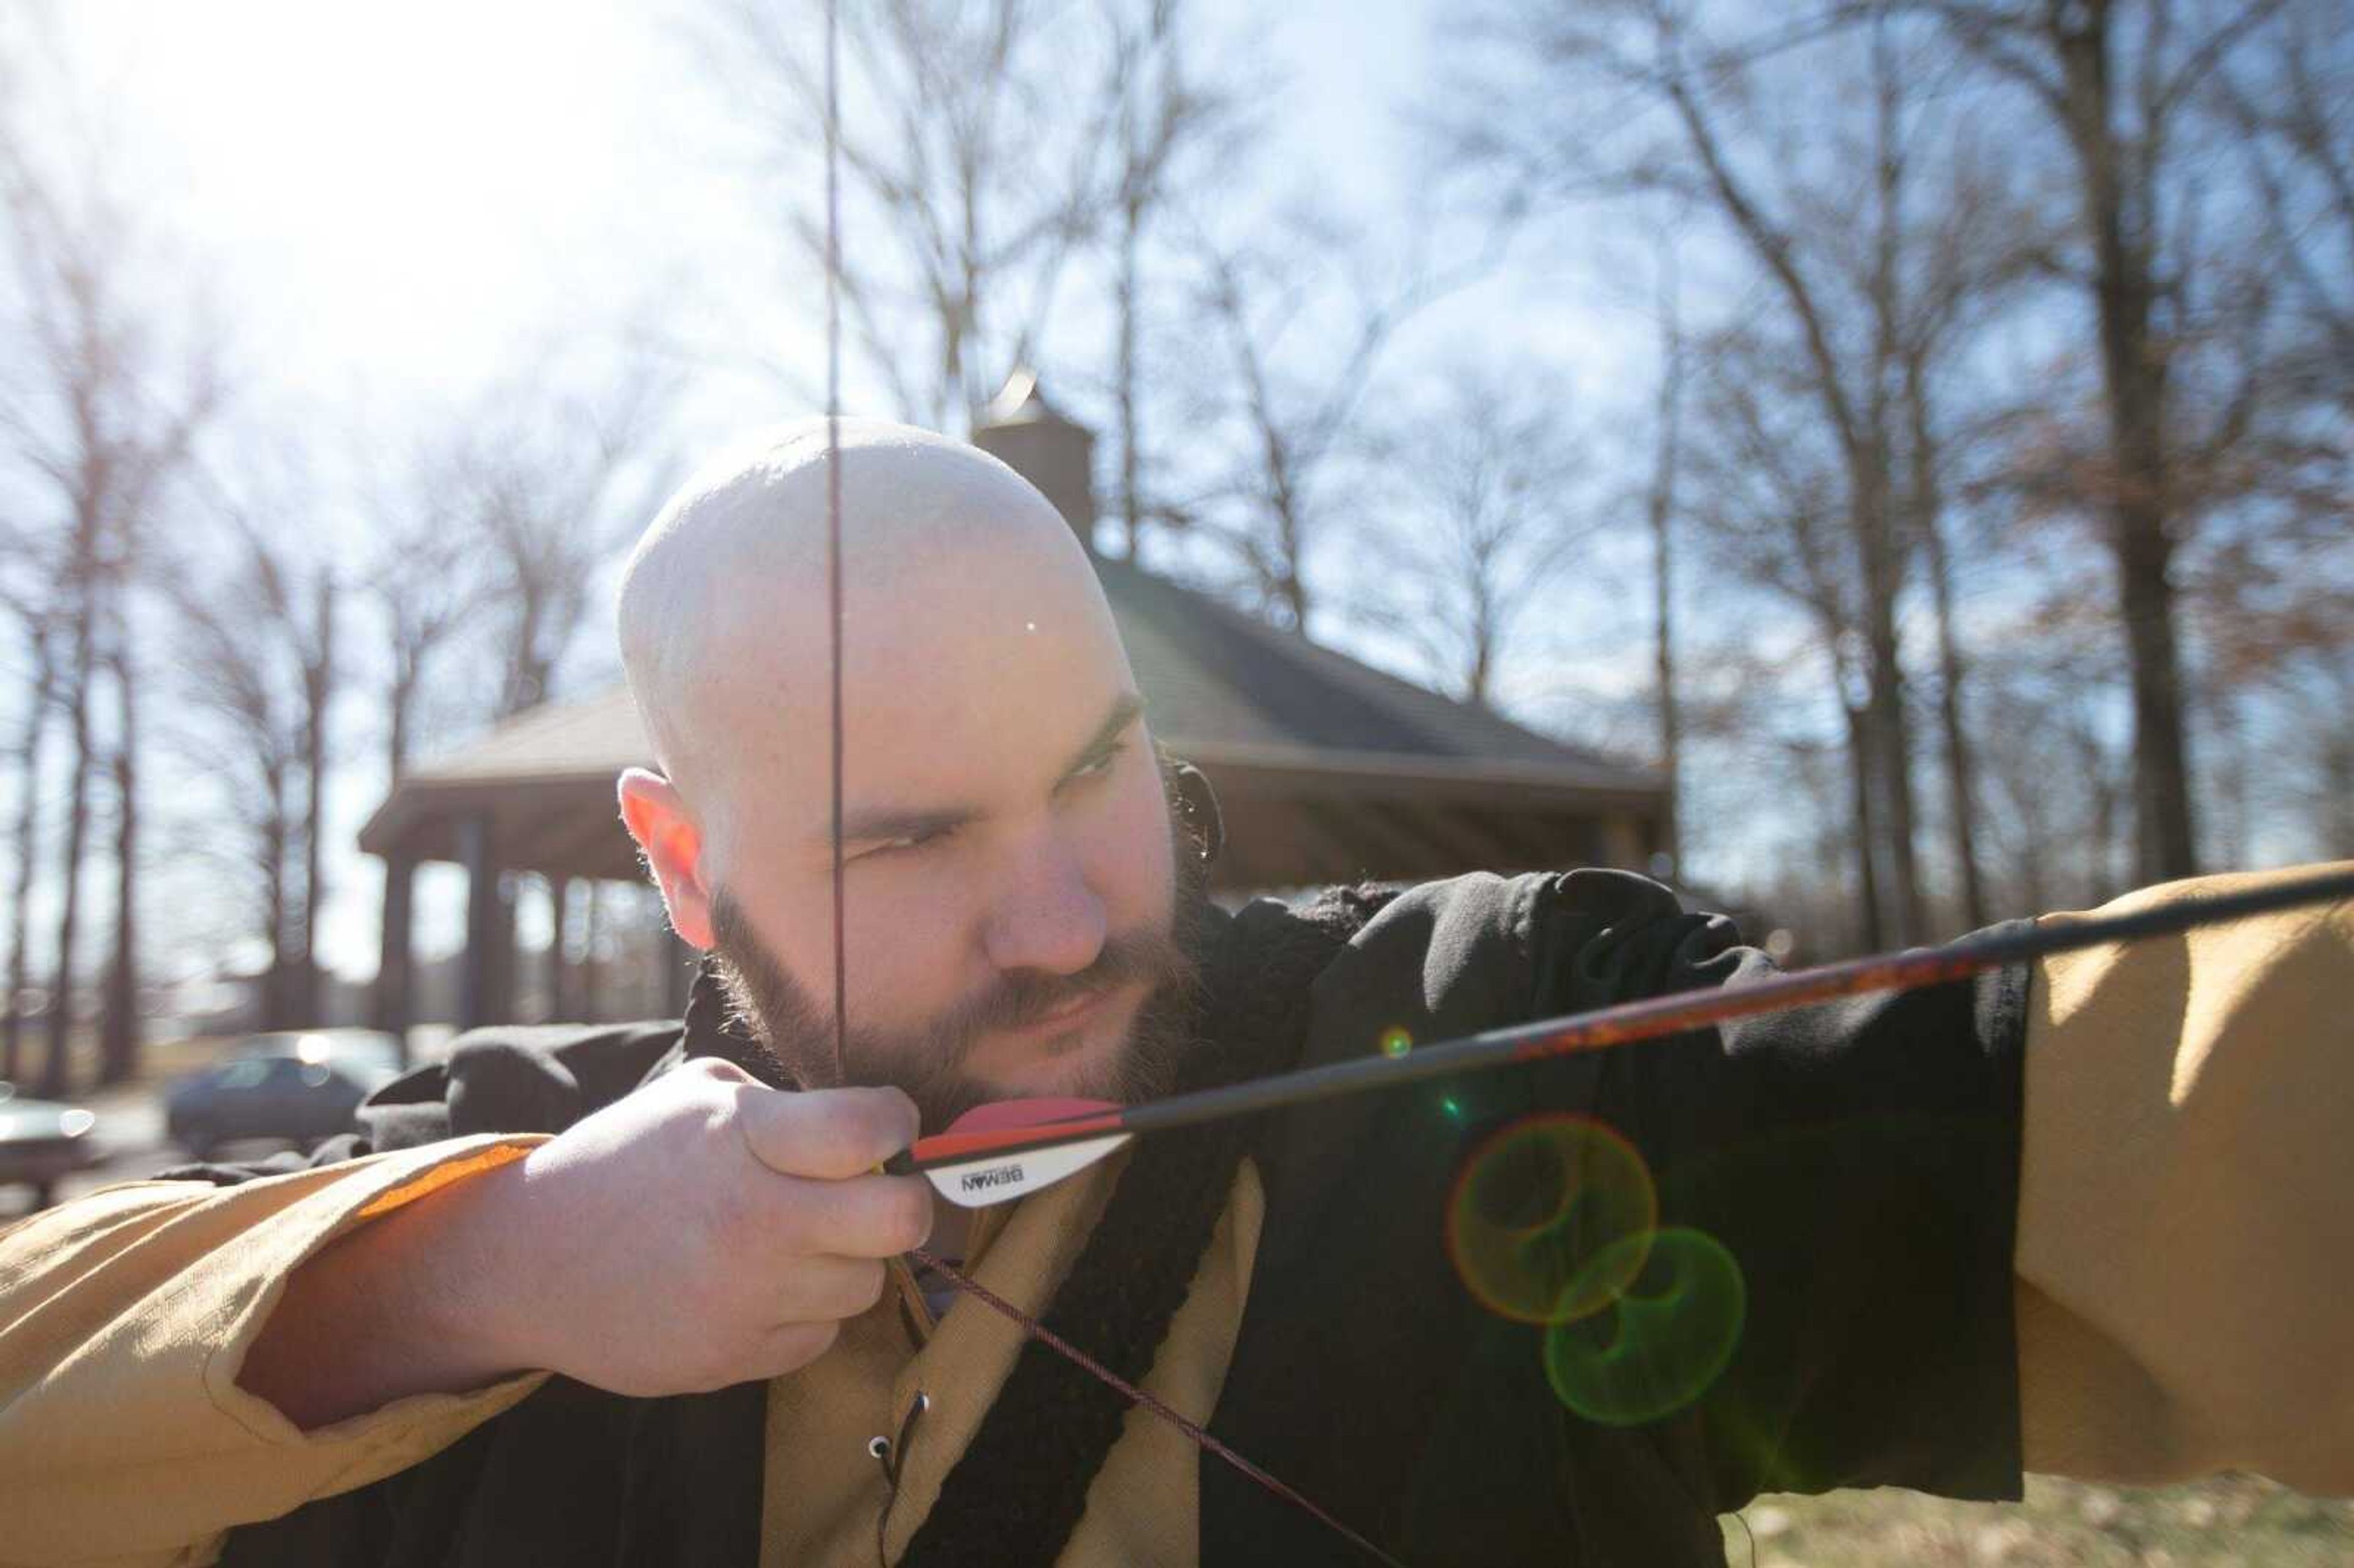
2240 1521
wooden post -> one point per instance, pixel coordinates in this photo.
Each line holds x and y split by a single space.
561 1003
1622 844
476 981
394 970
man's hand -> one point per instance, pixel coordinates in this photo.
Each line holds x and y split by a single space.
702 1232
705 1231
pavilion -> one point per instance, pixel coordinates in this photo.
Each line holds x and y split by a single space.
1327 769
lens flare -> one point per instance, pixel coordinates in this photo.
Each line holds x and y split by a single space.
1669 1334
1396 1041
1550 1219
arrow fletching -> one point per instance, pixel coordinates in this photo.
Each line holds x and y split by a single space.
1000 1152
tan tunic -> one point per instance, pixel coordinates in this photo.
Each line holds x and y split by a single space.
2183 1281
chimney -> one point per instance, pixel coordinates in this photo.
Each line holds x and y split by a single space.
1029 434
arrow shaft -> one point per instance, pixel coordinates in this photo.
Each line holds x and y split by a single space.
1650 1019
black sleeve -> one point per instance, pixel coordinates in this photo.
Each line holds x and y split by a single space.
1857 1163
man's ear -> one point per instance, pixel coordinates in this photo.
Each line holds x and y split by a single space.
656 815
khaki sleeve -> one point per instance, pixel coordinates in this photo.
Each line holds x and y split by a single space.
125 1319
2186 1221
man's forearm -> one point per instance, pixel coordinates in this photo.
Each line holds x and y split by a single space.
402 1304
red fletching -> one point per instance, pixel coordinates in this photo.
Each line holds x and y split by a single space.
984 1129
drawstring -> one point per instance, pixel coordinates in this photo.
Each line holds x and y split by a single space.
892 1454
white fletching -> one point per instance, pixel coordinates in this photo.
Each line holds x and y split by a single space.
995 1178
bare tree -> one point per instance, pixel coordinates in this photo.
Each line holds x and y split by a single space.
1769 500
1827 212
40 639
241 682
980 152
2284 96
1874 231
1976 254
2059 780
1660 513
100 423
424 587
2120 85
1303 313
544 492
1175 124
1488 476
2271 600
119 1027
311 630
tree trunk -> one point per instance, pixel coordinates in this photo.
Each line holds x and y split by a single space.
1928 519
27 842
275 989
1961 767
591 1002
1887 732
56 1066
1131 506
2133 371
2032 823
2227 762
2100 861
394 974
118 1045
1670 835
1660 507
1871 458
2335 822
1875 934
318 692
391 1005
2164 845
561 1001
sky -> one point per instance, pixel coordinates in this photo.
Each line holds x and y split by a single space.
400 195
394 203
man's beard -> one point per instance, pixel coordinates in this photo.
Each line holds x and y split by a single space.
928 1061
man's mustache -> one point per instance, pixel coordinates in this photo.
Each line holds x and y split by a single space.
1023 998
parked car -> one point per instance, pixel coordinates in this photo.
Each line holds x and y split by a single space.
41 1141
297 1089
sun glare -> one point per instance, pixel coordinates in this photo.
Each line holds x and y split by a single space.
421 169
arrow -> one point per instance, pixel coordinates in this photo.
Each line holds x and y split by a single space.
1003 1150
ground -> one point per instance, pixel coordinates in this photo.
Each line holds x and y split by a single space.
2235 1520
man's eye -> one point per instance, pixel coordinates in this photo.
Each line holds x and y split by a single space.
1099 765
908 844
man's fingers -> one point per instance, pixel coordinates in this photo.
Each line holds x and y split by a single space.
790 1347
829 1289
863 1216
825 1133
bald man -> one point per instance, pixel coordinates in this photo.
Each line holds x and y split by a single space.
1013 872
641 1294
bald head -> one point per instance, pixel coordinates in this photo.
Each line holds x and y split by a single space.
723 613
1007 867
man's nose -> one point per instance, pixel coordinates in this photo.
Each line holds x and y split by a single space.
1048 916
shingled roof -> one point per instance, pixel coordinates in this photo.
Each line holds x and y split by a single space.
1226 685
